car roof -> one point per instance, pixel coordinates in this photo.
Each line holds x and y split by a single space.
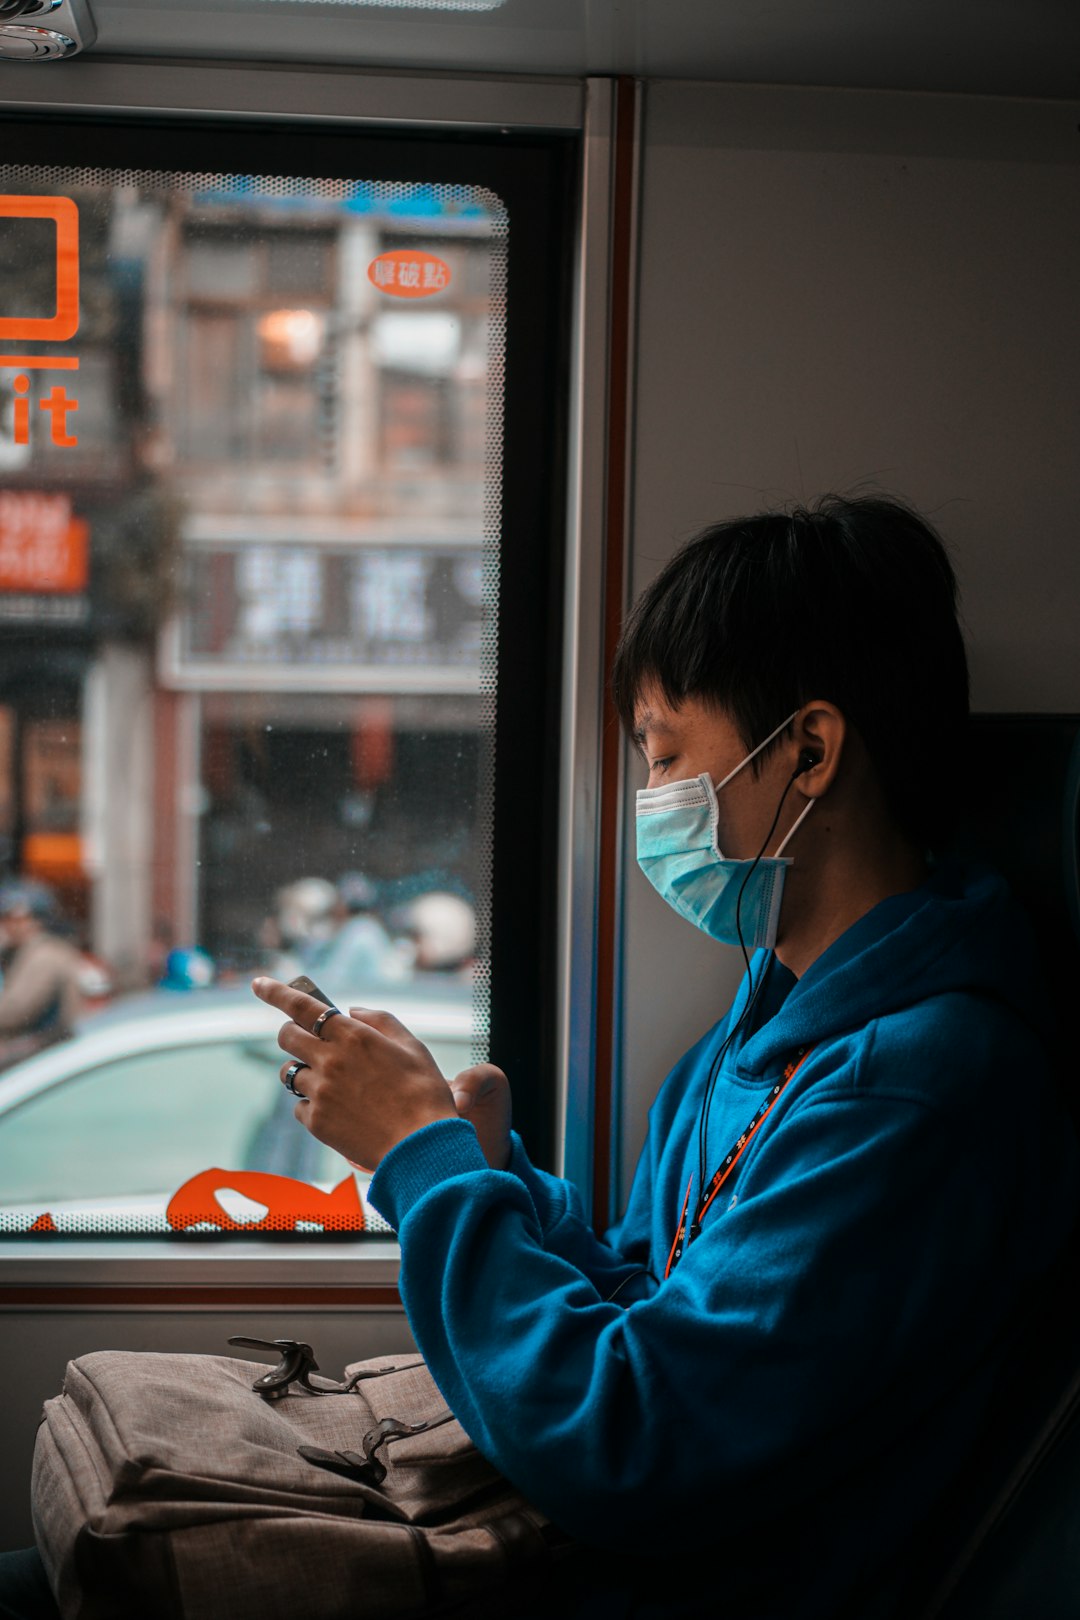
159 1020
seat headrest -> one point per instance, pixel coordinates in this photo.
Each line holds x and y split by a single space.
1020 812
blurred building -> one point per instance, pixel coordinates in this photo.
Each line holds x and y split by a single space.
243 615
86 537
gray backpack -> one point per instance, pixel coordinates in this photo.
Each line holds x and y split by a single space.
164 1485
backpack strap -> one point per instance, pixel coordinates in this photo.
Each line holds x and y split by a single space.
298 1363
369 1469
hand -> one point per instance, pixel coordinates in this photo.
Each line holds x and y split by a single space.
369 1083
482 1096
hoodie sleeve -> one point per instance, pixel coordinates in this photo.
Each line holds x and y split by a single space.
619 1261
871 1253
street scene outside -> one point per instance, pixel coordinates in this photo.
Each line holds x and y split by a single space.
249 508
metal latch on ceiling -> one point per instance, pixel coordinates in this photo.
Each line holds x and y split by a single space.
44 30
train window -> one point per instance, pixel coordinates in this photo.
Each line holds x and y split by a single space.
280 439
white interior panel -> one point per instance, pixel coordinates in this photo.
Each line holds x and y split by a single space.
845 291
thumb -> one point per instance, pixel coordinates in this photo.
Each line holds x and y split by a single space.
475 1085
463 1100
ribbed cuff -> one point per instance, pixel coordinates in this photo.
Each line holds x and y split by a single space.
436 1152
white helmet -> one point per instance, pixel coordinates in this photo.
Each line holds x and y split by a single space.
305 909
444 926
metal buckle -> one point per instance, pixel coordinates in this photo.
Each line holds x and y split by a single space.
296 1364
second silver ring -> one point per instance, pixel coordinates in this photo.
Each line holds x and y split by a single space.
288 1079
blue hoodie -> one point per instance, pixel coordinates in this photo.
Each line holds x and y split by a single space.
792 1399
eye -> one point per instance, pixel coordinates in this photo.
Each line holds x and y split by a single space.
660 767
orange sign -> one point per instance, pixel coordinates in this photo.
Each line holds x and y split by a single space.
56 857
408 273
65 323
42 546
287 1201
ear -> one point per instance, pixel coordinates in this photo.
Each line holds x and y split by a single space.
819 731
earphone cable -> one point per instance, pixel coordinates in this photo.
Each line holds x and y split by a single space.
753 992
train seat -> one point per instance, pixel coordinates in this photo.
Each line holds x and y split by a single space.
1007 1541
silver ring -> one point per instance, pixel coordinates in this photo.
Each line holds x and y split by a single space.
289 1077
317 1026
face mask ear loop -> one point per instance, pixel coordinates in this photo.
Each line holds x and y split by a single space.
793 829
754 752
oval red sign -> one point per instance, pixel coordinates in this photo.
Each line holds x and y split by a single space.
409 273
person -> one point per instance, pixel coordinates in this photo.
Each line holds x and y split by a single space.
302 923
780 1355
359 955
40 997
749 1394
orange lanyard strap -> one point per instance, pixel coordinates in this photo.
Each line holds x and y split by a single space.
731 1159
677 1244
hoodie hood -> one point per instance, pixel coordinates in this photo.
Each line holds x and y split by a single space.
961 931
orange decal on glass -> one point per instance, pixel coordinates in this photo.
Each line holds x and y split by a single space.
408 273
58 405
286 1202
65 323
44 1223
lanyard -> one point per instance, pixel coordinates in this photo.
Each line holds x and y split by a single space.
682 1240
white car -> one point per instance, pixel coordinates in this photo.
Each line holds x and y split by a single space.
100 1133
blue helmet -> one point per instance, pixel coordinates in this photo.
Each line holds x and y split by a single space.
188 968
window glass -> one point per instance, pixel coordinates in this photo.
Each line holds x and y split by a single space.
139 1124
251 469
137 1127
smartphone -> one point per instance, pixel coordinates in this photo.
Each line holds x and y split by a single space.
310 988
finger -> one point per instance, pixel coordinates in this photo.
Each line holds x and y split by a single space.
299 1042
479 1080
295 1004
385 1024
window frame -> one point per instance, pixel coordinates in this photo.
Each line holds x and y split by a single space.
511 114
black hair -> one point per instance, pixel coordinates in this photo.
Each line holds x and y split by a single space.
853 600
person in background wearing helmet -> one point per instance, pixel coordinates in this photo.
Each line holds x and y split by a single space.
360 955
40 997
302 922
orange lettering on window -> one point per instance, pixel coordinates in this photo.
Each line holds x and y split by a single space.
64 324
408 273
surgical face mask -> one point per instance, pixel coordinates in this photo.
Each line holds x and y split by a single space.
736 902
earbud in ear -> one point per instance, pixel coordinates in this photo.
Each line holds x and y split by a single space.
807 761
